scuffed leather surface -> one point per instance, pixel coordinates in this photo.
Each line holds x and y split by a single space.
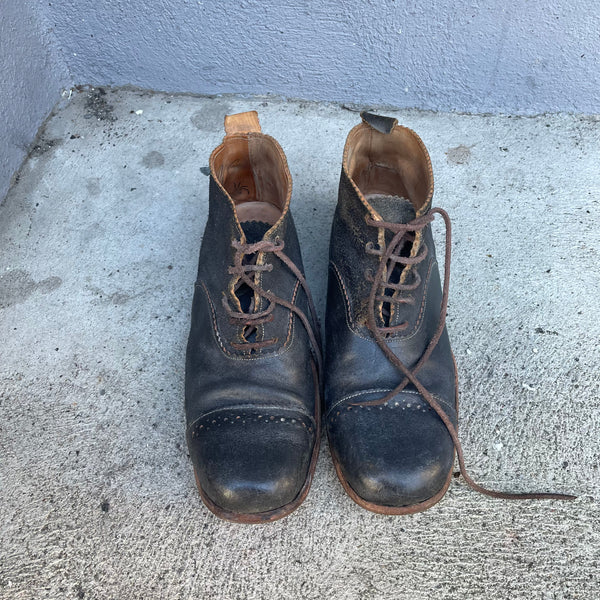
277 381
258 461
390 455
215 371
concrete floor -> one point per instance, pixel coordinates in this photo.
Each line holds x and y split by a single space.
98 247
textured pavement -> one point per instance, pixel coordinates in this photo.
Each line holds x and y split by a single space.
99 241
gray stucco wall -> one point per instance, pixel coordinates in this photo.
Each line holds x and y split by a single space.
510 56
31 76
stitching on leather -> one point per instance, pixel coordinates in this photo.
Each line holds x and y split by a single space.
284 348
371 391
398 336
214 319
424 301
355 395
287 339
240 407
230 417
344 291
349 319
413 392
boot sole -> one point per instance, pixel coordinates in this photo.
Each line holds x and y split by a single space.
283 511
399 510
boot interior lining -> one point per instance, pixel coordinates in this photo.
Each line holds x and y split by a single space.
392 164
254 174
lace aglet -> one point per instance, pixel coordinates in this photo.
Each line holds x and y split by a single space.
544 496
567 497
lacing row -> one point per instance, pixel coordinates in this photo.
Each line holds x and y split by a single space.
244 270
407 233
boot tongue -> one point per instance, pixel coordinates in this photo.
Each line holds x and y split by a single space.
393 209
254 230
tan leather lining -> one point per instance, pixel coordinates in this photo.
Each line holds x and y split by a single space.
251 169
258 211
390 164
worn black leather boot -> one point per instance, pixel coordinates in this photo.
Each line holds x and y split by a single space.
385 315
253 358
391 388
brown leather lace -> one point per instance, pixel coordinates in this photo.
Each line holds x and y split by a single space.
406 232
243 270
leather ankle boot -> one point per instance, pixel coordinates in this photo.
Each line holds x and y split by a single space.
392 452
253 357
391 389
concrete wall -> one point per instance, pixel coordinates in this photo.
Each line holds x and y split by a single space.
32 74
510 56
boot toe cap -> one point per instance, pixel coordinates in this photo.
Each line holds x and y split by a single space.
392 457
247 465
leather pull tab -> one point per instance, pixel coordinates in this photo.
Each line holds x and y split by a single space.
245 122
378 122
